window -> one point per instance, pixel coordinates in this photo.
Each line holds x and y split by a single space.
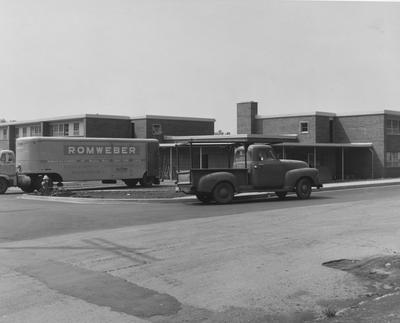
156 129
304 126
66 132
4 133
36 130
393 127
59 130
392 159
76 129
17 132
24 132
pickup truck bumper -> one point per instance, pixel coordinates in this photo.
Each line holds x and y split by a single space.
185 188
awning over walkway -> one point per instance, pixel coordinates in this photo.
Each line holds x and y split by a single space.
326 145
232 139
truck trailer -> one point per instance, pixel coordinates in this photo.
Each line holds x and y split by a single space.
65 159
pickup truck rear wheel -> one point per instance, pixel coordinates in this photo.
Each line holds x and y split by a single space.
130 182
3 185
303 189
204 197
223 193
146 181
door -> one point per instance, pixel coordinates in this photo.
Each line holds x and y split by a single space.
267 173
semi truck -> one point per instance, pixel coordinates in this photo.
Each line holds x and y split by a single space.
64 159
255 169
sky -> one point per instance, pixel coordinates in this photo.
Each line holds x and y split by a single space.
197 58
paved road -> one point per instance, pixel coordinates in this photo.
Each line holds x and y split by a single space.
28 219
185 262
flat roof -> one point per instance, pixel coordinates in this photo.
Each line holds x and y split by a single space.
327 145
173 118
330 114
63 118
301 114
230 139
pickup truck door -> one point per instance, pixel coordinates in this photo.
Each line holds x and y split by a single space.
267 173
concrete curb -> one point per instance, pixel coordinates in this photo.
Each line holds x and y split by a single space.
191 198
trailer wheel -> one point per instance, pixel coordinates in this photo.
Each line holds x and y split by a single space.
3 185
130 182
303 188
281 195
146 181
223 193
204 197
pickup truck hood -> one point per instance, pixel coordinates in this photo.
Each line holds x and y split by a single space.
294 164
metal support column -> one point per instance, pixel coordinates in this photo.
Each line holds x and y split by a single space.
191 155
372 162
342 163
315 157
170 163
201 157
177 158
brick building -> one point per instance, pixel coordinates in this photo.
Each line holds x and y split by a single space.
114 126
351 146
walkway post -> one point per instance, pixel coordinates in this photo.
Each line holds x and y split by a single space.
315 157
342 163
372 162
170 163
201 157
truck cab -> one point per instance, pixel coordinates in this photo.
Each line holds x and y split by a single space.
7 170
265 169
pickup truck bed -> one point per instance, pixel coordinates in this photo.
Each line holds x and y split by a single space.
189 180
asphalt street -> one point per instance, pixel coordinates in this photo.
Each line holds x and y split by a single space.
29 218
251 261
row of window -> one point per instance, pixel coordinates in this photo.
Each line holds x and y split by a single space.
35 130
63 129
393 127
392 159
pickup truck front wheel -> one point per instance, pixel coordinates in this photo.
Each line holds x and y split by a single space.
204 197
223 193
303 189
3 185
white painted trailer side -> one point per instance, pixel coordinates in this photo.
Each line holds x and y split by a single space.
85 159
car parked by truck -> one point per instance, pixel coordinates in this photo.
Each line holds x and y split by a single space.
255 169
64 159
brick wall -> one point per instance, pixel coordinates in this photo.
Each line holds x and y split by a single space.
171 127
322 129
364 128
246 118
289 125
392 144
140 127
108 128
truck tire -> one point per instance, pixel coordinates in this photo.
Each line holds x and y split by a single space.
223 193
3 185
130 182
281 195
146 181
204 197
303 188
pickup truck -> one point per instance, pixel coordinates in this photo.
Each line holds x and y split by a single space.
255 169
